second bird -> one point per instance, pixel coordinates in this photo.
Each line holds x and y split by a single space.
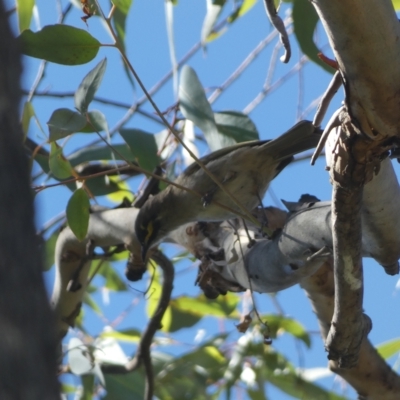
244 169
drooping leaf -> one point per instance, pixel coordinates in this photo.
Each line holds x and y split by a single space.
27 113
24 10
98 153
78 213
63 122
89 85
195 107
214 9
59 165
112 280
236 127
96 122
305 19
61 44
88 387
389 348
143 146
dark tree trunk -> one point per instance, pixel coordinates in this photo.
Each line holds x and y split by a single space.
27 341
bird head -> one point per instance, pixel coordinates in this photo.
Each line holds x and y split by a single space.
150 224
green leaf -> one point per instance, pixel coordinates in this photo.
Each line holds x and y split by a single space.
99 153
305 19
128 335
125 387
214 9
221 307
396 4
101 186
98 122
143 146
389 348
27 113
63 122
236 127
278 324
88 300
50 250
24 10
78 213
195 107
112 279
61 44
89 85
59 165
88 387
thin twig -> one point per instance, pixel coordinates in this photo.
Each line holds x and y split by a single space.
277 22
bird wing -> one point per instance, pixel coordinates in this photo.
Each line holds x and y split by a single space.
301 137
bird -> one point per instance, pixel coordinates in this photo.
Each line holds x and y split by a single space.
245 170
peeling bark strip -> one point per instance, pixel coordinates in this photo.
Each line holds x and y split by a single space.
346 333
364 36
371 377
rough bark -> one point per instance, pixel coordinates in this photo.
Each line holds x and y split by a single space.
27 346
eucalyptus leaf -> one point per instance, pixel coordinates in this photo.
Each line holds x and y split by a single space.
305 19
59 165
195 107
143 146
61 44
78 213
63 122
89 85
24 11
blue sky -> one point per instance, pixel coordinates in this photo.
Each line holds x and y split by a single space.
147 48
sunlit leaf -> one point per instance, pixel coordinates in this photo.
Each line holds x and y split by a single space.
27 113
59 165
305 19
195 107
214 9
78 213
89 85
61 44
24 10
396 4
389 348
63 122
143 146
223 306
246 6
128 335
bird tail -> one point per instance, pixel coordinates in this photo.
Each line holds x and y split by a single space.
301 137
